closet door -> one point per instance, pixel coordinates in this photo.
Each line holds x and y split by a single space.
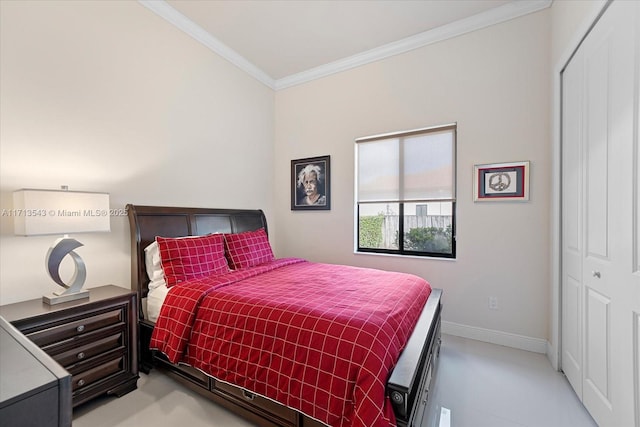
601 279
572 212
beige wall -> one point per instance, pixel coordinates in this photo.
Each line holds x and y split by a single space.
495 83
107 96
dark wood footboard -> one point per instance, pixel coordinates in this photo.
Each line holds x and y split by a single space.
408 386
410 382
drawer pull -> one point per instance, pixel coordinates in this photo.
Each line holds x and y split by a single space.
80 383
80 328
248 395
81 355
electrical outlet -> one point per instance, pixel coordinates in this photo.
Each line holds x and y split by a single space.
493 303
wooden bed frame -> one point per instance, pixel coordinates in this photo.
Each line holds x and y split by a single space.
407 387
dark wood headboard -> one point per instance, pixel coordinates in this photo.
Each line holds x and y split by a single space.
147 222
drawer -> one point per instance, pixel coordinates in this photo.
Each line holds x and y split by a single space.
69 344
89 350
91 376
192 375
254 401
75 328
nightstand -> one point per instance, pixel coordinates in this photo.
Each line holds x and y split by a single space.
95 339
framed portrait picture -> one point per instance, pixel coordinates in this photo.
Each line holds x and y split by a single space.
501 181
310 184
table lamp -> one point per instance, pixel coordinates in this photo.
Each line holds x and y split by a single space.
61 212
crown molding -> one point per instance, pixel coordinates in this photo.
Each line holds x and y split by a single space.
491 17
482 20
163 9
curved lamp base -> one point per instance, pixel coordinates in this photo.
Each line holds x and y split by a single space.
62 247
58 299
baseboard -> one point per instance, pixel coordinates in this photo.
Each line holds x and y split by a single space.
506 339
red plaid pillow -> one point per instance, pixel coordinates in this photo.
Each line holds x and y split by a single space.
248 249
192 257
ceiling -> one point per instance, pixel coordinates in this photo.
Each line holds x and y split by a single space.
285 42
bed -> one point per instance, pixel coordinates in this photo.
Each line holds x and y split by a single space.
266 397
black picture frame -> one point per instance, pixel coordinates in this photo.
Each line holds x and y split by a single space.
320 169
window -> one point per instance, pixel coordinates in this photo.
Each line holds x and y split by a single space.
405 192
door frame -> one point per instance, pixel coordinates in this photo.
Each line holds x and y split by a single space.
554 345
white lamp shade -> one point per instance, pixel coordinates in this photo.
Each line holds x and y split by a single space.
42 212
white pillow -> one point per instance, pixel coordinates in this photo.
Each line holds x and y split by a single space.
155 299
154 267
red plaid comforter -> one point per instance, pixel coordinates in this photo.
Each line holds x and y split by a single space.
318 338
